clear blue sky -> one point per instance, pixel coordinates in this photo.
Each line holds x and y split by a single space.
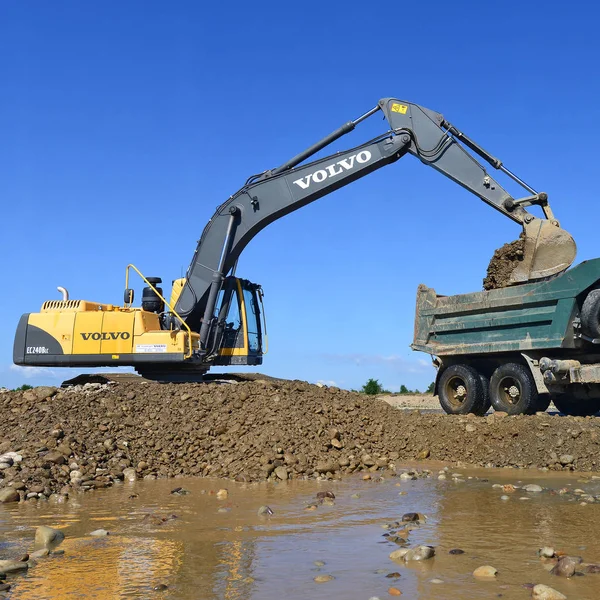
124 124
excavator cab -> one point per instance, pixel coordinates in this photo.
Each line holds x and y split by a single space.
237 330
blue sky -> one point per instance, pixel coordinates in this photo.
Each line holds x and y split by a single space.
124 125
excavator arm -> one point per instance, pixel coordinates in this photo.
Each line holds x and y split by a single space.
412 130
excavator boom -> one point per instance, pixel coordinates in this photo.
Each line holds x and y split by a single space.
414 130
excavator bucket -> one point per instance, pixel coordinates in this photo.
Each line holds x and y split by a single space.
548 250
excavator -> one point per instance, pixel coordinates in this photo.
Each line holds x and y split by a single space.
214 317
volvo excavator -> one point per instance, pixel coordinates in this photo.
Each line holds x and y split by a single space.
216 318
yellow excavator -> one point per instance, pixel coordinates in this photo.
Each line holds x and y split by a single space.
215 318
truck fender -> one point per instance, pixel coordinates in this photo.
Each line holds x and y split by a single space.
534 367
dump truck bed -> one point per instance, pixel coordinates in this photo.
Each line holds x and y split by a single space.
540 315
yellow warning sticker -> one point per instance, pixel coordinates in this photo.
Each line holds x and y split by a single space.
115 356
399 108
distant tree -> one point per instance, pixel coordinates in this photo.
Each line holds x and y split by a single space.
431 387
373 387
23 388
404 390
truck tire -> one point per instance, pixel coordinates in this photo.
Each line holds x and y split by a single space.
513 391
485 395
590 314
576 407
460 390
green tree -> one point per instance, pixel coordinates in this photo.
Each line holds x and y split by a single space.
23 388
373 387
404 389
431 387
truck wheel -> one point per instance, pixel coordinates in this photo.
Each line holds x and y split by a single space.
575 407
460 390
485 395
590 314
512 390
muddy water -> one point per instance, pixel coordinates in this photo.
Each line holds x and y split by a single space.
221 549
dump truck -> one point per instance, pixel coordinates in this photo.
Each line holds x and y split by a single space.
516 348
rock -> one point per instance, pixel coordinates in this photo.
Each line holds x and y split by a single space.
281 473
410 517
44 392
11 566
533 488
319 563
161 587
222 494
398 554
470 428
419 553
265 511
565 567
323 578
394 575
394 592
456 551
546 552
592 569
326 494
99 533
327 467
8 495
436 581
56 458
47 537
4 587
485 572
566 459
407 477
179 491
543 592
129 474
424 454
40 553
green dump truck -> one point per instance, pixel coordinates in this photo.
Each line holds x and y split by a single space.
516 348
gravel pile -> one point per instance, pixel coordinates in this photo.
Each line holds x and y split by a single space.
58 441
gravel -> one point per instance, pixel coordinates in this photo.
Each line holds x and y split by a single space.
87 439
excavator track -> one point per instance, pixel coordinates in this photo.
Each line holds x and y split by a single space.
104 378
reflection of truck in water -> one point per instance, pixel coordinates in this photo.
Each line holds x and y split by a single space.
516 348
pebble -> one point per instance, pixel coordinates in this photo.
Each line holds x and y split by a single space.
319 563
323 578
456 551
223 510
436 581
504 498
355 496
565 567
393 575
265 511
47 537
485 572
99 532
394 592
222 494
533 488
161 587
546 552
8 495
543 592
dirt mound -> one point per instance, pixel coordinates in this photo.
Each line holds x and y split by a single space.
91 436
503 263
